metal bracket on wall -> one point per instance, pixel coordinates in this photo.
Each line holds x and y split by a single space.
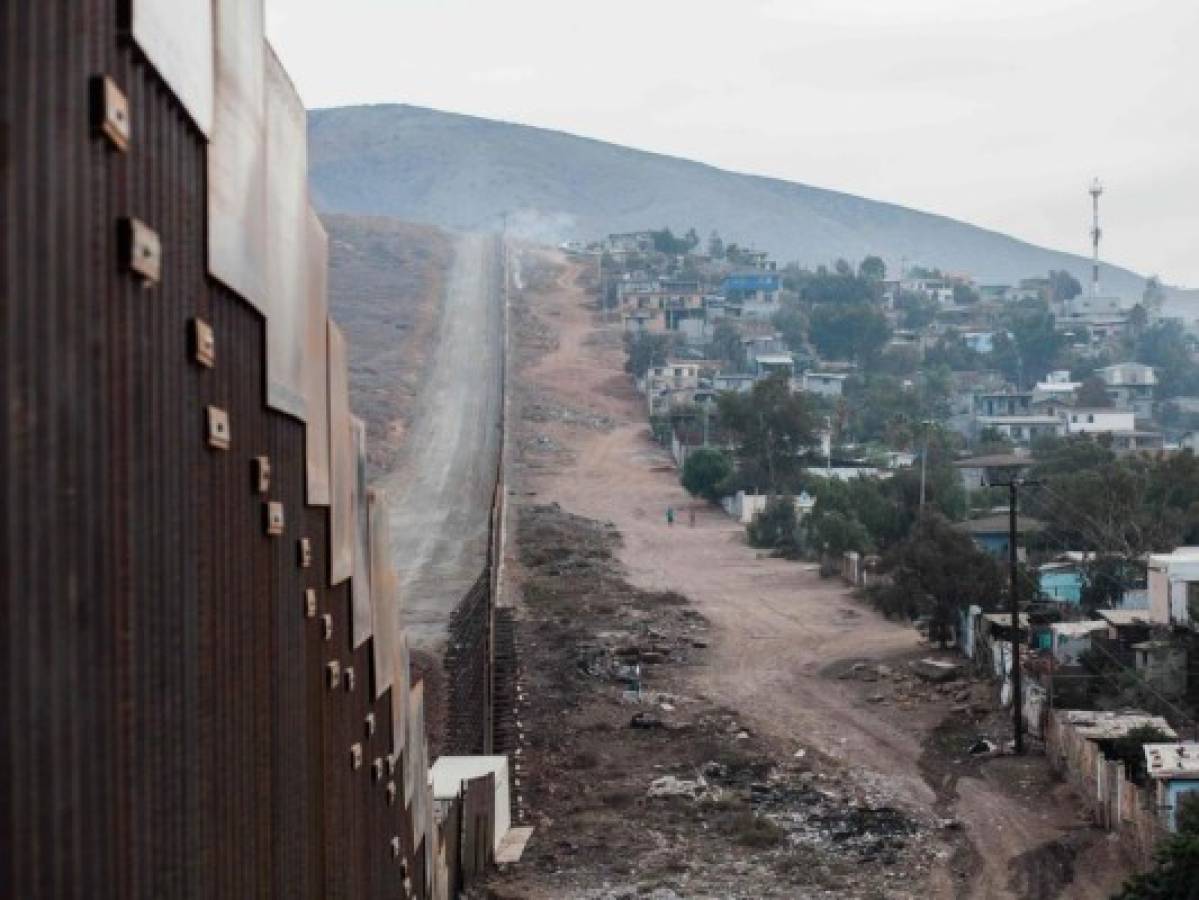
262 474
356 756
349 679
141 251
110 112
305 553
327 626
395 848
391 793
333 674
219 435
274 518
370 724
310 603
203 343
377 768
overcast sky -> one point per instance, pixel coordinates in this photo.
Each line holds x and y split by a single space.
997 112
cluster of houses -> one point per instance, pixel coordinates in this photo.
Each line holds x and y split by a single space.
1052 408
1145 644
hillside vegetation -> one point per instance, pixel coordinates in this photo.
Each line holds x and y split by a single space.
466 173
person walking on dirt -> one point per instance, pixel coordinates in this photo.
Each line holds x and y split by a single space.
670 515
691 516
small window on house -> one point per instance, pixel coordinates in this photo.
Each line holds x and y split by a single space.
1091 420
1074 418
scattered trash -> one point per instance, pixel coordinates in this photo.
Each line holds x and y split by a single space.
936 670
645 720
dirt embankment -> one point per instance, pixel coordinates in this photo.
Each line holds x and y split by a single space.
858 773
386 286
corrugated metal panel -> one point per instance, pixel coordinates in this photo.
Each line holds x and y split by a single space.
287 228
168 729
384 612
401 694
177 38
413 755
341 463
237 235
316 363
360 585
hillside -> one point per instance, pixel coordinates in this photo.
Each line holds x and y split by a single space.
385 288
466 173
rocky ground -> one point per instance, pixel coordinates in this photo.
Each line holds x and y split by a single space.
658 792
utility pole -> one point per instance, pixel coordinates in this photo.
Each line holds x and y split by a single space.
1017 699
1013 487
927 423
1096 190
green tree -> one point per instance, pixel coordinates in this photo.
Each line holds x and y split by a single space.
964 295
644 351
1092 393
1130 749
872 268
842 289
937 571
1164 347
772 428
666 242
704 471
918 311
856 332
726 345
1039 344
715 245
1175 873
836 533
900 361
1063 286
951 350
792 325
1154 295
776 527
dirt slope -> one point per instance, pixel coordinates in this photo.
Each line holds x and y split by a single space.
803 666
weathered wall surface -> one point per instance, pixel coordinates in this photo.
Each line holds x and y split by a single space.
468 672
171 725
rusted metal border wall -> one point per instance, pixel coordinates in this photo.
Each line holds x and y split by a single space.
173 722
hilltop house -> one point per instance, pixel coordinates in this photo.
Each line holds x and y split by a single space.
991 533
1174 587
1174 772
1130 385
825 384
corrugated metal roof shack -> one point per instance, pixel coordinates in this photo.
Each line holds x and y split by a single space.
195 704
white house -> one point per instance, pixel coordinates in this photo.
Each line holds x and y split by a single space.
1130 384
1087 420
979 341
1022 429
738 384
826 384
1174 586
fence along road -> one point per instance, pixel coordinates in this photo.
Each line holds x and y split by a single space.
441 490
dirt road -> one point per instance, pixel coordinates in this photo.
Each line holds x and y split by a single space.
778 628
440 491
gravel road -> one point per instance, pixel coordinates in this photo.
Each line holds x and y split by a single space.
440 491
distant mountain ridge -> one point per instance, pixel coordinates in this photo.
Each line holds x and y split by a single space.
469 173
